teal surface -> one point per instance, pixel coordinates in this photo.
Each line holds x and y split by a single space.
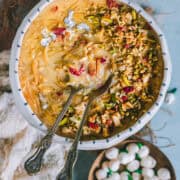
170 24
83 165
168 18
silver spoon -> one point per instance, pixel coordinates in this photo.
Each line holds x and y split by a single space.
33 164
66 172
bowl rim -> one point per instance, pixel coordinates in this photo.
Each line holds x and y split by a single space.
33 120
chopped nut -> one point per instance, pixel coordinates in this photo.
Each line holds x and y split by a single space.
105 132
116 117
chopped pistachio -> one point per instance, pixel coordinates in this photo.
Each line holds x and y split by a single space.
106 21
126 81
134 14
113 98
63 122
109 105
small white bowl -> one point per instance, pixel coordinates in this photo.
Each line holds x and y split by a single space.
27 112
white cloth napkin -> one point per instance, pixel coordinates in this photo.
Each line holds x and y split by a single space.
18 140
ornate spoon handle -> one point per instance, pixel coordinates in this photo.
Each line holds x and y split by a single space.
33 164
66 173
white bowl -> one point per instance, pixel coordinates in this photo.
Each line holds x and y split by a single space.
27 112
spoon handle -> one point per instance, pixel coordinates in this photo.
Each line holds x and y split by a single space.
66 172
33 164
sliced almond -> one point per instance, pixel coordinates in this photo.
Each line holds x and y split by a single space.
92 68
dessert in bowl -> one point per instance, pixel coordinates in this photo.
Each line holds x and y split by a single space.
79 43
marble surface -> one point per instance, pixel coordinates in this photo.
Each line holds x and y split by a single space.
168 18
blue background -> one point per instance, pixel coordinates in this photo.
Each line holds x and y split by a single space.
169 21
167 15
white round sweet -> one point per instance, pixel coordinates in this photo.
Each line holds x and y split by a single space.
105 164
131 157
112 153
164 174
124 175
148 162
115 176
133 165
143 152
123 157
101 174
147 172
126 158
132 148
136 176
114 164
